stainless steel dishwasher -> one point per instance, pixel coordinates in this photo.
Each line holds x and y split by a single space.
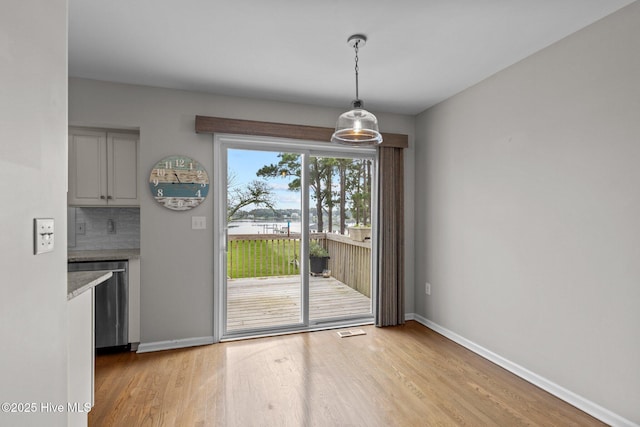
111 304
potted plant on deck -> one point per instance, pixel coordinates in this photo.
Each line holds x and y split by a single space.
318 258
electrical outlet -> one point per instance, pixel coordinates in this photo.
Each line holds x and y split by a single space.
81 228
427 288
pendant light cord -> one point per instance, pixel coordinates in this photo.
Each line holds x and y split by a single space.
356 49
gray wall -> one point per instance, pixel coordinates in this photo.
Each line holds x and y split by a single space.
176 262
33 170
528 202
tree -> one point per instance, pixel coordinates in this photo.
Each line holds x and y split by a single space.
359 188
257 193
328 175
290 165
354 185
319 171
343 164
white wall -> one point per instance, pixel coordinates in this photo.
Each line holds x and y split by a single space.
176 262
33 135
528 213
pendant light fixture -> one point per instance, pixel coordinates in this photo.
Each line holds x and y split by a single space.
357 127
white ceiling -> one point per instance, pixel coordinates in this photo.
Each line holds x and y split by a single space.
419 52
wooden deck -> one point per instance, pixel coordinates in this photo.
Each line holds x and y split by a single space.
275 301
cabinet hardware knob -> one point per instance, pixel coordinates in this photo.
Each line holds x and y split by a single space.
102 197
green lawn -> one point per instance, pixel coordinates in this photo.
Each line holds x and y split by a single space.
262 258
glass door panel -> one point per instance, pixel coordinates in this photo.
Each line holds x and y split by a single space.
340 211
263 286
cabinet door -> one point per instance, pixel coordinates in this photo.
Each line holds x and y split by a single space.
87 168
122 166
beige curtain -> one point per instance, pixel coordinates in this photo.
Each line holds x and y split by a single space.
390 284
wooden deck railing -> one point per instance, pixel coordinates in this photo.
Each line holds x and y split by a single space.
263 255
350 262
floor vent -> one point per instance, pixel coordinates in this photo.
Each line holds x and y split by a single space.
351 333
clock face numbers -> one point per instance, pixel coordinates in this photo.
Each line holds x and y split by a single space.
179 183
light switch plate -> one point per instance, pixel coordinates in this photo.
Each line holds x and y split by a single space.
42 235
198 222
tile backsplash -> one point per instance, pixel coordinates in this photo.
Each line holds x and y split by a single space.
103 228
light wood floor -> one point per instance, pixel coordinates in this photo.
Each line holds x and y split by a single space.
400 376
275 301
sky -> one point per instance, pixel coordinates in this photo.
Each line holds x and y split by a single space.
245 163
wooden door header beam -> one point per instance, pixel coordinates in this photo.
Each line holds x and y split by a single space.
206 124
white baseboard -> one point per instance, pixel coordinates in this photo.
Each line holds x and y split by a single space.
412 316
173 344
568 396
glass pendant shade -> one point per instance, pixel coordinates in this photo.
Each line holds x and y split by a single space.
357 127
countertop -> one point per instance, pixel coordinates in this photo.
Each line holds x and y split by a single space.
80 281
103 255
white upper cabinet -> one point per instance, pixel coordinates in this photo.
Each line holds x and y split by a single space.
122 169
103 168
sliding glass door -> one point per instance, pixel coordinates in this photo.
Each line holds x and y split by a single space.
294 238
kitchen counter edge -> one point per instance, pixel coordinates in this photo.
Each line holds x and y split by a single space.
81 281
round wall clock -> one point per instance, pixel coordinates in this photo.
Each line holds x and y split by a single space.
179 183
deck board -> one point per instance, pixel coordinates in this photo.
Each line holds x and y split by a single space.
275 301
